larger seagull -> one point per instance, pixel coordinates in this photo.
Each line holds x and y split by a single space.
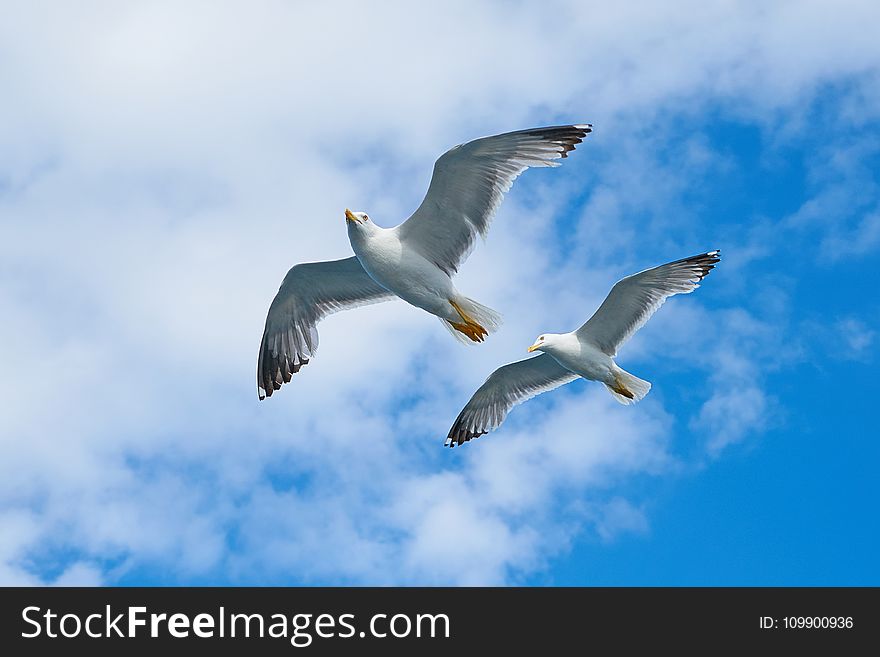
414 261
587 352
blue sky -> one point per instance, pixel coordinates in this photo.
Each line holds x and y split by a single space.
161 167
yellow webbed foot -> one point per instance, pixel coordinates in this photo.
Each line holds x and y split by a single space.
469 327
621 389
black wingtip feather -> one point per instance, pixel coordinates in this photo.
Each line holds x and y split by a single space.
459 436
566 136
706 262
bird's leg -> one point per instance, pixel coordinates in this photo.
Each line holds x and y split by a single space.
621 389
470 328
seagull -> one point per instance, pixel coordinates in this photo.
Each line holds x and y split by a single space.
414 261
585 353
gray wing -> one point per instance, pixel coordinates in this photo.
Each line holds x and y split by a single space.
308 293
505 388
468 184
635 298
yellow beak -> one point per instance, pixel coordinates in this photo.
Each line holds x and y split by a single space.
533 347
349 216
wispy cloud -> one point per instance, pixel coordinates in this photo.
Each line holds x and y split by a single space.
858 338
845 204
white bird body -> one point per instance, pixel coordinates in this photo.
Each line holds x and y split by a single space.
585 353
415 260
580 356
405 272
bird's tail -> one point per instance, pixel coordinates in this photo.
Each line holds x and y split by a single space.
477 320
627 389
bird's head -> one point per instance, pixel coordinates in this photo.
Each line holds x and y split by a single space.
354 219
543 341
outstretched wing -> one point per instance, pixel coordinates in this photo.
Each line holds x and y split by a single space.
635 298
505 388
468 184
308 293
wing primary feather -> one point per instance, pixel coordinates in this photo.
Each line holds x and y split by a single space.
506 387
469 183
309 292
633 299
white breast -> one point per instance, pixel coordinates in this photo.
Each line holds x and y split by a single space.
401 270
582 358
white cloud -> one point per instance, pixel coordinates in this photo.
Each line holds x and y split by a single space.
730 414
619 516
80 574
858 338
161 168
848 338
739 352
845 200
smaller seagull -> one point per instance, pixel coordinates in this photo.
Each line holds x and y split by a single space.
587 352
